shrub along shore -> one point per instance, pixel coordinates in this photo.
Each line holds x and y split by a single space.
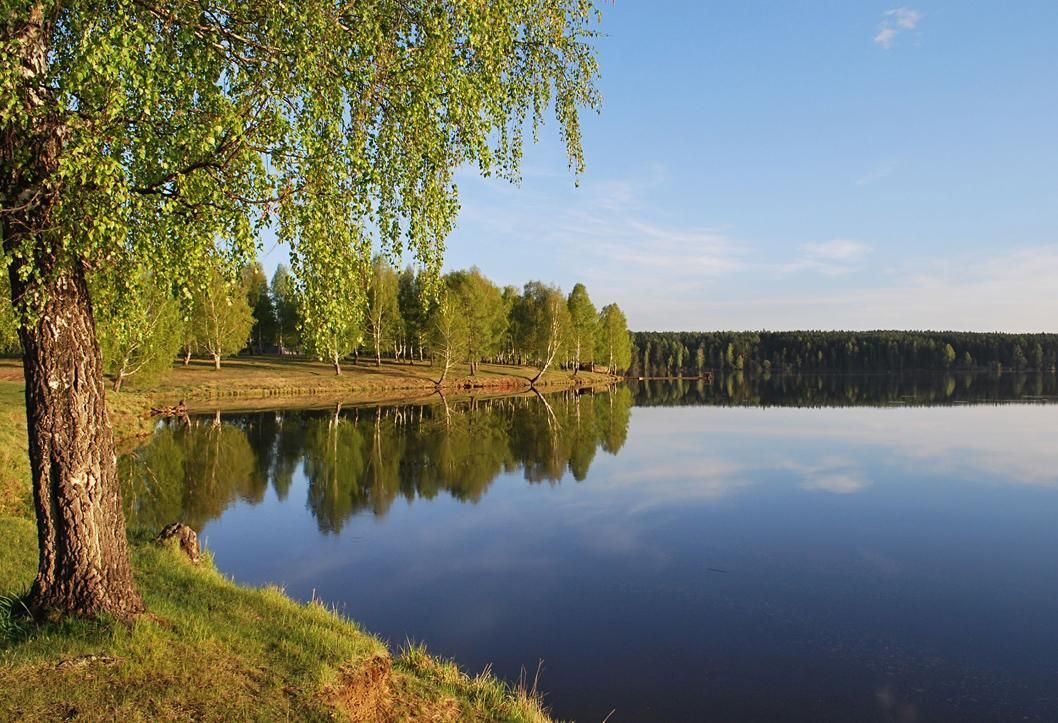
210 649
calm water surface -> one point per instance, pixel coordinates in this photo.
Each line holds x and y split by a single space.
672 552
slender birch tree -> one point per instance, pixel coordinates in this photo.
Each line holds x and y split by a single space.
615 343
413 308
285 305
140 329
382 317
222 319
330 304
447 331
543 322
583 325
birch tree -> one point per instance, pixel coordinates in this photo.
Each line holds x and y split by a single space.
285 307
330 304
615 343
222 318
168 130
413 307
447 332
544 323
482 307
383 310
255 284
583 325
140 329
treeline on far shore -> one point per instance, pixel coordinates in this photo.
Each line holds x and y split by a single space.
694 353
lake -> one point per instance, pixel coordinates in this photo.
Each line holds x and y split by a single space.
795 548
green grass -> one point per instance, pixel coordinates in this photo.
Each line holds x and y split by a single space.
208 649
15 498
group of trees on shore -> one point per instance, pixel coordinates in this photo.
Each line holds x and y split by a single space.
693 353
462 318
465 318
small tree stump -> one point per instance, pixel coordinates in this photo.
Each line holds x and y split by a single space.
185 537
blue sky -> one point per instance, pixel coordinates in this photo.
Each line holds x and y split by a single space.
763 165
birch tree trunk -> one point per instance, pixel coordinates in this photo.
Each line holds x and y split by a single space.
83 564
83 554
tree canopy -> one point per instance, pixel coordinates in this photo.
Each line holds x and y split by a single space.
482 307
541 322
182 126
614 341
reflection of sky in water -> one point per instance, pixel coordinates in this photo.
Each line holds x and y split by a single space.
851 564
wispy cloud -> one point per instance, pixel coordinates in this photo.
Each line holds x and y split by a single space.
830 258
905 18
609 235
894 22
1013 443
689 250
838 250
709 480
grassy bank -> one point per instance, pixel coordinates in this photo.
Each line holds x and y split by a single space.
210 649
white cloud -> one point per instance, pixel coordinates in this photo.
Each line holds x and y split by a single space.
885 36
838 483
709 480
695 251
894 22
905 18
608 234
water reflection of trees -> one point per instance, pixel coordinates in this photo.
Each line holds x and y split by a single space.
795 390
361 459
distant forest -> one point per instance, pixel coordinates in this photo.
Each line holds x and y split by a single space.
692 353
